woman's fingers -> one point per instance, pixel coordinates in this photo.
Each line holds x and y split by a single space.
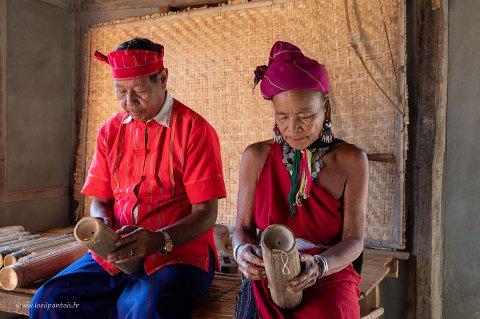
307 277
249 262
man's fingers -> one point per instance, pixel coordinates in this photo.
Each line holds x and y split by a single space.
126 229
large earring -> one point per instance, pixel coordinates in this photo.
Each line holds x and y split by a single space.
326 134
277 136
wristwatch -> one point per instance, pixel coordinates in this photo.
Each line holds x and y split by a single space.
168 243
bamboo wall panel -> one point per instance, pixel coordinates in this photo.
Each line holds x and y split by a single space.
211 55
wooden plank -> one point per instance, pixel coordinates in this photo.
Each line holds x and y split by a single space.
374 314
58 230
191 13
31 194
370 302
382 157
95 5
401 255
15 302
62 4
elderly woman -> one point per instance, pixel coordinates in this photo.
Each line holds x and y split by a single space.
311 182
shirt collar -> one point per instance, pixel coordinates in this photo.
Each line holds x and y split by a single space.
163 116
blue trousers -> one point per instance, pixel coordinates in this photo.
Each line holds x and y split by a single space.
86 290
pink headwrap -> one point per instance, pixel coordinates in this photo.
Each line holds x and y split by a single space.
289 69
132 64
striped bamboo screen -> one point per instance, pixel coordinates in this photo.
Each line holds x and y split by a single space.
211 54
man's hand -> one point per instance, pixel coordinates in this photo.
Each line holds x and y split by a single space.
107 221
250 262
136 243
307 277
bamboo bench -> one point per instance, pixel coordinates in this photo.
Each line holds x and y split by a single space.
220 299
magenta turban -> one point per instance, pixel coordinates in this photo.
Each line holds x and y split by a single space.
289 69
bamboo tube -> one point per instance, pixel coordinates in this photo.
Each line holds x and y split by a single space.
13 236
30 242
14 246
33 269
44 252
282 264
12 258
100 239
18 229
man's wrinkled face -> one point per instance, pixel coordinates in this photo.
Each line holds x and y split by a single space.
142 98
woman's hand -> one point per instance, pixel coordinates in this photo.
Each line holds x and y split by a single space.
307 277
250 262
136 243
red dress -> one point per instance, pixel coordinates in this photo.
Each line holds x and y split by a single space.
318 220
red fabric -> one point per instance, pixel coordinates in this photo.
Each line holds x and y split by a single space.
289 69
318 220
132 64
179 166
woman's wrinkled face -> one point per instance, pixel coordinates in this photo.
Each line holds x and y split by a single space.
142 98
299 115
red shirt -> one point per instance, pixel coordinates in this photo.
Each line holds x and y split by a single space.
162 169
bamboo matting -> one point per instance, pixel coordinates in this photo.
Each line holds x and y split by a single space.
211 54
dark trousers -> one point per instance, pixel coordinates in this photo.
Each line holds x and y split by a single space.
86 290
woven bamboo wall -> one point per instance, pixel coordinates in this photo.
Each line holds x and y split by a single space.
210 54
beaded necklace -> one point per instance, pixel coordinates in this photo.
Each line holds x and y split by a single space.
303 167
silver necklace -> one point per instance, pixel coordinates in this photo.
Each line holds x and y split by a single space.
317 162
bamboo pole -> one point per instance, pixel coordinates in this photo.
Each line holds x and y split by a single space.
18 229
12 236
12 258
31 242
40 267
44 252
11 246
282 264
100 239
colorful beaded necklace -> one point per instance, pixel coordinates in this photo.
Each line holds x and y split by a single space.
303 167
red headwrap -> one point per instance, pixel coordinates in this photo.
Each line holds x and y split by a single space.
289 69
132 64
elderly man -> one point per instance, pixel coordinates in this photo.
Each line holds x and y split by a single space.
156 177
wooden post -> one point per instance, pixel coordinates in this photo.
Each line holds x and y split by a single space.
428 117
282 264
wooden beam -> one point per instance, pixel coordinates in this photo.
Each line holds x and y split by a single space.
400 255
32 194
62 4
95 5
374 314
382 157
15 302
429 67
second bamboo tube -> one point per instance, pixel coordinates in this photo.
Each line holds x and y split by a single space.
282 264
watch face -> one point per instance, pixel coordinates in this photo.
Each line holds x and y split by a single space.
169 246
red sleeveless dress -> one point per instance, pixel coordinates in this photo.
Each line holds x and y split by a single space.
318 220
